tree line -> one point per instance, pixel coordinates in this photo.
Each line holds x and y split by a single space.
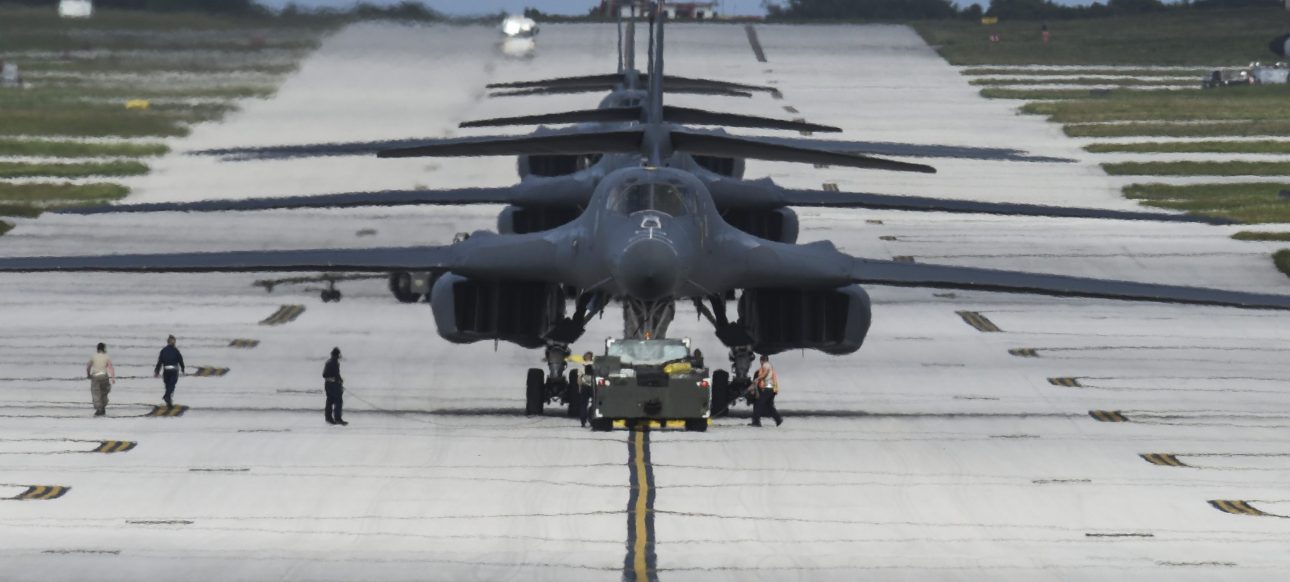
1004 9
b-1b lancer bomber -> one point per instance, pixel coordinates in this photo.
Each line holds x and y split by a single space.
647 235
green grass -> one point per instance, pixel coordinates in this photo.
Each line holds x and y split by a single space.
1262 236
1037 94
117 65
21 210
5 227
1253 203
76 170
1193 147
1226 129
1267 102
1282 260
1198 168
1197 37
1068 72
1083 81
77 149
90 122
43 194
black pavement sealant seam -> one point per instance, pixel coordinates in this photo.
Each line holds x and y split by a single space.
243 344
641 563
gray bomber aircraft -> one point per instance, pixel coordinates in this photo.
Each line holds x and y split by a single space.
648 236
561 169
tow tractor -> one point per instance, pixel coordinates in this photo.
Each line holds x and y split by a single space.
649 380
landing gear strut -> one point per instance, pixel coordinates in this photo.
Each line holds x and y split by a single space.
331 293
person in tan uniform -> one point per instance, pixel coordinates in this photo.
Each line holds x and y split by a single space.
766 383
102 375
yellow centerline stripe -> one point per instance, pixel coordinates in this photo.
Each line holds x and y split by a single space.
642 505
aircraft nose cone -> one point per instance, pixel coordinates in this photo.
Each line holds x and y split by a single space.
648 270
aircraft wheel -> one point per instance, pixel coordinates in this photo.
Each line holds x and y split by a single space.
401 287
535 392
602 424
329 295
720 403
571 396
696 424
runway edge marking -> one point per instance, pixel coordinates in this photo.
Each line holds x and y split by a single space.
641 563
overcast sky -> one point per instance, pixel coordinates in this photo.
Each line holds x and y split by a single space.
555 6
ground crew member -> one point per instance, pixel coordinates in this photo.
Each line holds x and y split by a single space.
586 387
766 382
170 363
334 386
696 360
102 375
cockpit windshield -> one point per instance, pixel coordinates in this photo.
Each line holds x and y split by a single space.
669 199
642 352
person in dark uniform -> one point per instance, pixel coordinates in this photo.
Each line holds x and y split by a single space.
334 385
586 387
696 359
170 364
766 382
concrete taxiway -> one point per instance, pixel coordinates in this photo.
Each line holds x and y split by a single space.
976 436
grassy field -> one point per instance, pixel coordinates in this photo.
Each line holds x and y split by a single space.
1193 147
1200 37
1079 71
1262 236
76 170
1262 103
5 227
1252 203
1215 130
1282 261
1048 94
79 149
1125 82
58 193
1198 169
81 73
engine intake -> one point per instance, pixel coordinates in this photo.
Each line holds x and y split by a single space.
774 224
524 219
834 321
520 312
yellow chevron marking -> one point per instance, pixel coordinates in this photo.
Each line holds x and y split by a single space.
115 447
207 371
177 410
831 187
1067 382
41 493
1108 416
1165 459
1024 352
284 314
1235 507
244 344
974 319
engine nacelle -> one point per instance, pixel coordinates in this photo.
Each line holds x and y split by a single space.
728 167
520 312
554 165
526 219
834 321
774 224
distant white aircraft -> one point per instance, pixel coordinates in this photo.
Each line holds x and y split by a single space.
519 26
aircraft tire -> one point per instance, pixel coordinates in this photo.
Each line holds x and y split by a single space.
602 424
534 392
720 402
401 287
571 396
696 424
